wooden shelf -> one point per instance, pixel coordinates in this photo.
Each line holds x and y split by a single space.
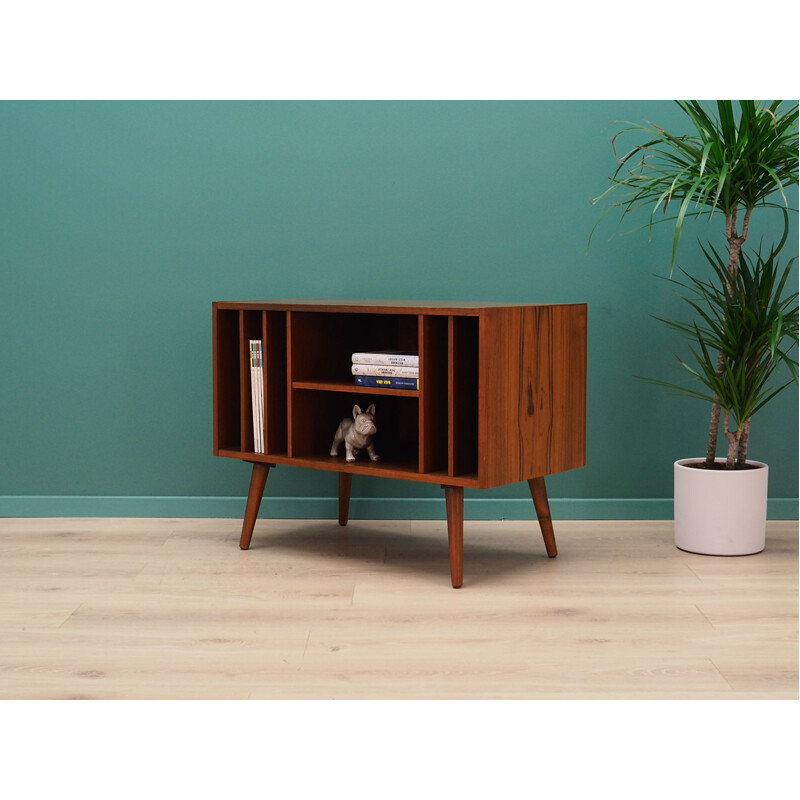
380 469
501 397
344 386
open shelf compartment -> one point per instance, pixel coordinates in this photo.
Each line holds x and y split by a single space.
322 344
316 416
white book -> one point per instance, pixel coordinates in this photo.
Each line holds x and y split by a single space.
254 393
257 395
385 371
260 381
400 358
261 396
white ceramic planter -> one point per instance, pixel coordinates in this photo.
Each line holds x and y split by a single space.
720 512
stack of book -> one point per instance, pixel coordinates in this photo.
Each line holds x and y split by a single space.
390 369
257 393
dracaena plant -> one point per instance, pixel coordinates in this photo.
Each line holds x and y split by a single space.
736 160
753 323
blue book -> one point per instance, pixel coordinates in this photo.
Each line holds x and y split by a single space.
387 383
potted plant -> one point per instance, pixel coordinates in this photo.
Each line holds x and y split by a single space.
744 327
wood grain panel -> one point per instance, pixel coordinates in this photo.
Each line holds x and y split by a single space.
533 392
569 329
500 356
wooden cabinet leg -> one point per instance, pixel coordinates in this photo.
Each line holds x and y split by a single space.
258 480
454 502
345 480
539 495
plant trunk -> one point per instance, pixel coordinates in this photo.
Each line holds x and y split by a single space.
735 243
713 428
743 441
733 442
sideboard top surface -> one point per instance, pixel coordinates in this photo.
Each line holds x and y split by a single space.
375 306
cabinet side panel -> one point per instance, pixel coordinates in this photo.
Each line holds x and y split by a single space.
551 410
226 384
533 413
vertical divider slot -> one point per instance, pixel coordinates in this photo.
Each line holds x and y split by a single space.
451 396
463 395
289 378
250 327
227 382
433 393
275 389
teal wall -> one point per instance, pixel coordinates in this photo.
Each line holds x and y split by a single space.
120 222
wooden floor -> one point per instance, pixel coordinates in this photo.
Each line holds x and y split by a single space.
171 608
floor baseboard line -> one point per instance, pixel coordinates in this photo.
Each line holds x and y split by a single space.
779 508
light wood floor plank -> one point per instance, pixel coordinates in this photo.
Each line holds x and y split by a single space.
172 608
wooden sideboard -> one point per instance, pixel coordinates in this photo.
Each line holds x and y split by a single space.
501 395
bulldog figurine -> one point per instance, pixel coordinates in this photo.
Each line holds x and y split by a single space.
357 434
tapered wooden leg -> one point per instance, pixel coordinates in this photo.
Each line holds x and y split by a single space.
258 480
539 495
454 502
345 479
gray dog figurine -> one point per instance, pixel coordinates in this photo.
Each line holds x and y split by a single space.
357 434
